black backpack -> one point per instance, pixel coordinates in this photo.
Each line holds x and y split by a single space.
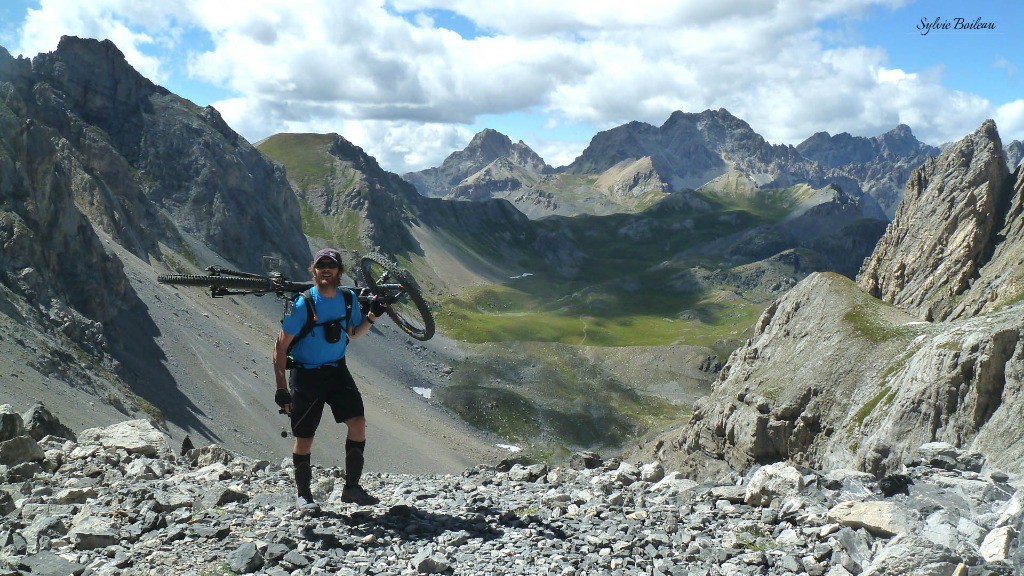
311 321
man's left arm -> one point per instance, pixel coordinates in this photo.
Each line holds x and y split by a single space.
356 332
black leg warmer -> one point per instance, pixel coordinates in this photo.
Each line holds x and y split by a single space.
303 475
353 461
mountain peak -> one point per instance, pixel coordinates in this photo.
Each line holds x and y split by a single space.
484 148
490 139
901 130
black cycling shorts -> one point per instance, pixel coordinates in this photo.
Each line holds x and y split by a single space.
311 388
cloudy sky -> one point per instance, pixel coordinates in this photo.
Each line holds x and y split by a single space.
412 80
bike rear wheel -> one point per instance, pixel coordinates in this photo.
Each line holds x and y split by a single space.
408 309
231 282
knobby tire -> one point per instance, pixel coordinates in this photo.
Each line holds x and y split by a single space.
410 312
235 282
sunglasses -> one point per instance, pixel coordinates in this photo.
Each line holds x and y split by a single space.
326 264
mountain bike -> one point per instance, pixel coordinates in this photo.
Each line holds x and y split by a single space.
381 277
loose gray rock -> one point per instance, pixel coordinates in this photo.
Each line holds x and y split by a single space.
93 533
20 450
189 519
11 423
879 518
911 554
998 544
585 460
207 455
773 481
47 562
245 559
425 563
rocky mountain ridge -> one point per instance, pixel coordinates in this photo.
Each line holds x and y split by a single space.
881 165
118 500
959 208
101 172
628 167
836 377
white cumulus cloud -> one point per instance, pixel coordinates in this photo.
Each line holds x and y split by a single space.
384 75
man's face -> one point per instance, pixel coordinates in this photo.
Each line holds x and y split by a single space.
326 272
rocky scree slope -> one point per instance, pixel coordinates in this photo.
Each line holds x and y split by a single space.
117 500
835 377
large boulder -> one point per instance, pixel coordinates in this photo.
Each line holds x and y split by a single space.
771 482
20 450
911 554
877 517
134 436
39 422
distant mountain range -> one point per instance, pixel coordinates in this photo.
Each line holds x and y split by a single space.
629 167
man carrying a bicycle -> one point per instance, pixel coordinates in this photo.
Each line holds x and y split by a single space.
319 375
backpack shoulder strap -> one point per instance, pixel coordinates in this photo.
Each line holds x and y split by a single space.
349 297
310 318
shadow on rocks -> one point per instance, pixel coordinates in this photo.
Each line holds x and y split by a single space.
406 523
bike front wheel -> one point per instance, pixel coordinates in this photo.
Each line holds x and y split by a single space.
408 309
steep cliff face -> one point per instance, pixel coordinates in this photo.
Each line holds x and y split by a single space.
1000 279
945 230
146 166
103 175
50 251
834 377
51 255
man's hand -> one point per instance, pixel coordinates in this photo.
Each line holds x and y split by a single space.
283 399
377 306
